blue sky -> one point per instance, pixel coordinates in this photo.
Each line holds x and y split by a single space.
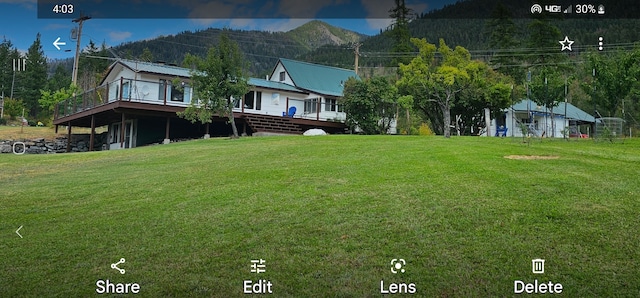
19 20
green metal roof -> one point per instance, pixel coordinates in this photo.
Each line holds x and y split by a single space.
321 79
156 68
573 113
170 70
273 85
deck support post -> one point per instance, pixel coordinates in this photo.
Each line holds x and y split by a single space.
166 132
69 136
93 132
122 128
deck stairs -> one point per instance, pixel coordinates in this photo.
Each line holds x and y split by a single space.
272 124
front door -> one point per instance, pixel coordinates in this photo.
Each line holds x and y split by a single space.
116 140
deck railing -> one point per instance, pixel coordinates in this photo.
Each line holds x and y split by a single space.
161 93
164 93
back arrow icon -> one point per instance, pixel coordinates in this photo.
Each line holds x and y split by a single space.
58 43
19 230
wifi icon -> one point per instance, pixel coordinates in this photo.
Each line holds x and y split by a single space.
536 8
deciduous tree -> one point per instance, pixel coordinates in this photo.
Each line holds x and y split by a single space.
437 84
547 89
49 99
218 81
614 83
370 105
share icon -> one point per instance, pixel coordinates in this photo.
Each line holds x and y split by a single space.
115 266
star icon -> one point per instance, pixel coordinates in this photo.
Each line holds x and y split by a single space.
566 44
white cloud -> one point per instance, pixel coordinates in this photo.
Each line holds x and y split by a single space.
375 9
117 36
379 23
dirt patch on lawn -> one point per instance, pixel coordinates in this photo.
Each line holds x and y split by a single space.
531 157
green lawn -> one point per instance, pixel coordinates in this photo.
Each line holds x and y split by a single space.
327 214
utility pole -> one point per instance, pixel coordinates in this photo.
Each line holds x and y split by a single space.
13 82
18 65
79 20
356 50
567 123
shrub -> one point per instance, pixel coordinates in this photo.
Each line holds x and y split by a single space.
425 130
3 121
13 107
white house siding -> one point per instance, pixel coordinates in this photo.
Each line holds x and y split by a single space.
275 76
542 123
143 88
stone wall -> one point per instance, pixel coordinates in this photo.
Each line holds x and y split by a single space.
79 143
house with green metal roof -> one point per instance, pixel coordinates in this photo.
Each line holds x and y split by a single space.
542 121
324 85
138 103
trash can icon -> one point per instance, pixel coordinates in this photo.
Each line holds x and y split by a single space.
538 266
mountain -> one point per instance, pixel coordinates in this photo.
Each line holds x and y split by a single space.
315 34
261 49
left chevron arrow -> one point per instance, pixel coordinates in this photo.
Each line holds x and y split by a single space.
57 43
17 231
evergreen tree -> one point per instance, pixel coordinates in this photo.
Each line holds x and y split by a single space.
92 65
34 77
502 33
61 78
146 55
400 33
543 46
7 55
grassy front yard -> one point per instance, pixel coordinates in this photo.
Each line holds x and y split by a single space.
327 214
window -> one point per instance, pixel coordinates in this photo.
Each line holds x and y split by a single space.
126 90
187 93
330 105
177 93
161 90
253 100
282 76
248 100
258 100
311 105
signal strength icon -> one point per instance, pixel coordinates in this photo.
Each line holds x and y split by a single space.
569 9
536 8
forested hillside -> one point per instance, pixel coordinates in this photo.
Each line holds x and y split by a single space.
260 48
465 24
